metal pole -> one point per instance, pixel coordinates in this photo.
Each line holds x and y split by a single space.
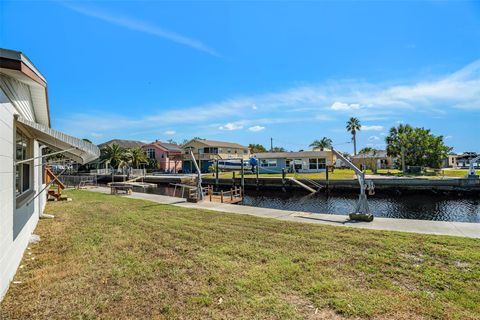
257 175
326 175
242 181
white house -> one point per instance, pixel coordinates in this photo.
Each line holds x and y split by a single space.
24 132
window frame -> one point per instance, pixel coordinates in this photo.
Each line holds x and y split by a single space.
27 153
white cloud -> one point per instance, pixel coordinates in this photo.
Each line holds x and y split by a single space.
142 26
304 104
344 106
170 132
231 126
372 128
254 107
256 128
373 138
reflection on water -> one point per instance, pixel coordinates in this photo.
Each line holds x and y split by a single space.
408 206
419 206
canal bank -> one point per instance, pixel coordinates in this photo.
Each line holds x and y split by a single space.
387 185
461 229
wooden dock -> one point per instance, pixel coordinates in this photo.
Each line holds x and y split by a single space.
234 195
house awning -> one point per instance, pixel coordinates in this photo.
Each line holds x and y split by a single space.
76 149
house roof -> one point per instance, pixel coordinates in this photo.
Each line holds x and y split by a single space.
127 144
291 155
372 154
221 144
166 146
16 65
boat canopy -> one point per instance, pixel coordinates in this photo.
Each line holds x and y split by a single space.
76 149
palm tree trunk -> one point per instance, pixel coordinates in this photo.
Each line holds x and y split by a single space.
354 145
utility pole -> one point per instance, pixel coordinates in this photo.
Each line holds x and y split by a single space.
271 144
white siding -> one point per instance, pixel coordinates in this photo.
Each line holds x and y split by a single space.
16 225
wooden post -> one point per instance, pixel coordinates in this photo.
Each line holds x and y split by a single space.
221 196
233 178
283 177
326 176
216 174
242 181
231 194
257 174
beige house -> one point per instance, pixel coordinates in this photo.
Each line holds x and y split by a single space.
375 159
205 151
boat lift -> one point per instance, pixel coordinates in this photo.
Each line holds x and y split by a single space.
199 179
362 211
471 169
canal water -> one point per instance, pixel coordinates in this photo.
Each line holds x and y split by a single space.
409 206
423 206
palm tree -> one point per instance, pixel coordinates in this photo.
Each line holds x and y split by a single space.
136 156
322 143
353 125
113 154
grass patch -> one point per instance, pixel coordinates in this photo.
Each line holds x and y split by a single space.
112 257
346 174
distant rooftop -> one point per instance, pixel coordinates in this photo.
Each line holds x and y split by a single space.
222 144
167 146
127 144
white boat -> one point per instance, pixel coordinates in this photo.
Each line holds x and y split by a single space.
232 164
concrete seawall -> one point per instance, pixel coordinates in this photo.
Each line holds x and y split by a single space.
381 184
396 184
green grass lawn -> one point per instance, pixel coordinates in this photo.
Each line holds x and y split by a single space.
345 174
114 258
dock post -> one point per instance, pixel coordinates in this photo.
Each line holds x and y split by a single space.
221 196
216 175
257 175
326 176
231 194
242 173
233 178
283 177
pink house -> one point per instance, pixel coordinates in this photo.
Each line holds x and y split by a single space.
168 155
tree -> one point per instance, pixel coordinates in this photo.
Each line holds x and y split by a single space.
256 148
369 158
113 154
366 150
171 141
322 143
353 125
136 156
416 146
87 140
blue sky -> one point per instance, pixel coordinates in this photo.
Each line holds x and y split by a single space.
248 71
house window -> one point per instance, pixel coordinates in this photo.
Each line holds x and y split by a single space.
315 164
245 151
151 153
229 150
23 175
268 163
210 150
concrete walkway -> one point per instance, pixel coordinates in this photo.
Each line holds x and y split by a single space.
461 229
